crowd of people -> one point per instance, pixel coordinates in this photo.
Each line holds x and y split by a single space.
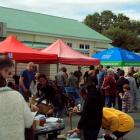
100 88
103 91
117 88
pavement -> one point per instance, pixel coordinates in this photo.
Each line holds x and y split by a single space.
133 135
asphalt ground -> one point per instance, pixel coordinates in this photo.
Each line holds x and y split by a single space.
133 135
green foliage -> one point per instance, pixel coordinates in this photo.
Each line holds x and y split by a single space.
123 31
123 37
96 24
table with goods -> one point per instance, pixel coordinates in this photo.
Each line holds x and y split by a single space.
48 127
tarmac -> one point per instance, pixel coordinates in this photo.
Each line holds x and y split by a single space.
133 135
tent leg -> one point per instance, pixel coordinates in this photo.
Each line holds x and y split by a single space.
57 67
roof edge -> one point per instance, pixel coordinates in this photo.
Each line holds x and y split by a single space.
58 35
37 13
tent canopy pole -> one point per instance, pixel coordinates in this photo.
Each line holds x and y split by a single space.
57 67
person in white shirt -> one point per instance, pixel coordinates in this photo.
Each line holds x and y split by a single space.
33 86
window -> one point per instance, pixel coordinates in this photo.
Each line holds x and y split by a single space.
87 47
84 46
81 46
69 44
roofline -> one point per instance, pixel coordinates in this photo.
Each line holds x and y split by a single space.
37 13
58 35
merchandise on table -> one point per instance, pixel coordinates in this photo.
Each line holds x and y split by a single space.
47 124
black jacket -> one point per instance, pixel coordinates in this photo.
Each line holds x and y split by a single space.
91 116
120 83
49 94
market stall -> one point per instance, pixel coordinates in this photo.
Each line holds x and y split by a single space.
22 53
69 56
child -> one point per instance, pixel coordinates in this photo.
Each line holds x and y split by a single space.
126 99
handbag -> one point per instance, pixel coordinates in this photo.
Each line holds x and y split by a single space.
43 108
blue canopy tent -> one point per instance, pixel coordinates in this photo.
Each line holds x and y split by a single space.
118 57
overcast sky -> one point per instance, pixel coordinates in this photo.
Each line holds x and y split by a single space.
76 9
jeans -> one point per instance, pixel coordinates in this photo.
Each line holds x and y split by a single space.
89 134
109 101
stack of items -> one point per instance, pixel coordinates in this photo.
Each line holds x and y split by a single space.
39 121
44 107
42 122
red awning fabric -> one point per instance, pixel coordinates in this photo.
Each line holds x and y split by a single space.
23 53
67 55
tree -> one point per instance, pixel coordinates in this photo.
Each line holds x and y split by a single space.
135 26
93 21
123 31
107 19
123 38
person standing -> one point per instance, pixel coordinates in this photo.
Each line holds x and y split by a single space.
33 86
137 77
91 116
86 75
61 78
72 81
119 86
126 99
78 74
118 72
132 70
25 80
101 75
133 90
15 114
92 76
109 87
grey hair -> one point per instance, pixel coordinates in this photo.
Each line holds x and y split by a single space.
110 71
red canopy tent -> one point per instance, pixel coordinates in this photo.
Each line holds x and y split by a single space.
23 53
67 55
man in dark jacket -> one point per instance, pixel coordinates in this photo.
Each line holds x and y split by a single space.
119 86
91 116
49 93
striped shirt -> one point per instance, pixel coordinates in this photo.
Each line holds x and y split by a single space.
126 101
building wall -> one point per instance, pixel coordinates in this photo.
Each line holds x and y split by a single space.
51 70
48 39
19 67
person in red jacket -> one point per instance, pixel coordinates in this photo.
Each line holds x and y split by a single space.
109 87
